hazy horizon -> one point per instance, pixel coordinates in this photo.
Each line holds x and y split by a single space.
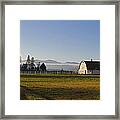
61 61
60 40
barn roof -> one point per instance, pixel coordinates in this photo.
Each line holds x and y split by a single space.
93 65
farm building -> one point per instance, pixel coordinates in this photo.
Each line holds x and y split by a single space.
89 67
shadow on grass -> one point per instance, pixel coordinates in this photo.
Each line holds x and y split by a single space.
59 94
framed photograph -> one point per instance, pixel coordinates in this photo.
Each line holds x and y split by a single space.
60 59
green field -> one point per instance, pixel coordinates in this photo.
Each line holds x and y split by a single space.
59 87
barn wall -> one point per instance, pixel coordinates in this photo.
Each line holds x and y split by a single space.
82 68
93 72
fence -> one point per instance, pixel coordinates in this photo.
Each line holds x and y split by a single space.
47 72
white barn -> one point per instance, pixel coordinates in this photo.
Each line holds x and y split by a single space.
89 67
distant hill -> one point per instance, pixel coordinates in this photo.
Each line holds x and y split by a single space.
47 61
54 65
72 63
52 62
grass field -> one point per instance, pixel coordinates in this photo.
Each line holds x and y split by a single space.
59 87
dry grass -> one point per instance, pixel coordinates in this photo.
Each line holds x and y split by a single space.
60 87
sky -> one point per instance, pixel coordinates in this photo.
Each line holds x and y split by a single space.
60 40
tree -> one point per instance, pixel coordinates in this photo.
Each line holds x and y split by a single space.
20 59
43 67
32 60
28 59
38 67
